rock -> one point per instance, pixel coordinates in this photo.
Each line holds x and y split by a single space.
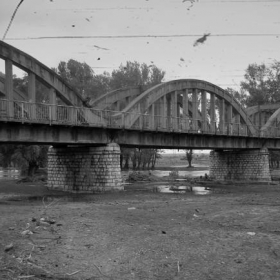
47 221
9 247
26 232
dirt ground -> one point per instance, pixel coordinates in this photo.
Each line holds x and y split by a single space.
231 233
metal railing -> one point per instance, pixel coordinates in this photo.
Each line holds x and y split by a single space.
25 112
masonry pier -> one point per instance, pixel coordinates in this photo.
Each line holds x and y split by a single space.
85 169
240 165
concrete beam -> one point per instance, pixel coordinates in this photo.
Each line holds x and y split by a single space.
75 135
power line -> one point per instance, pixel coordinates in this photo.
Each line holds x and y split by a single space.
241 1
142 36
12 18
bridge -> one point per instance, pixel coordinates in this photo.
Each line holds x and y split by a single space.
186 113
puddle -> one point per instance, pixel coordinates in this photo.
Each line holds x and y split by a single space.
185 173
197 190
60 198
48 199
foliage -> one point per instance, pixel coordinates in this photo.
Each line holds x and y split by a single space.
262 86
241 96
31 157
6 154
189 156
21 84
262 83
89 85
137 176
274 159
174 174
82 78
135 74
140 158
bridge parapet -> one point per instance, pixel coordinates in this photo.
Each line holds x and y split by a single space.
26 112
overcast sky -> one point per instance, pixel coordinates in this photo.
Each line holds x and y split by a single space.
162 32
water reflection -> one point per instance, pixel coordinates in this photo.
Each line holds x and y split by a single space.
183 173
198 190
9 173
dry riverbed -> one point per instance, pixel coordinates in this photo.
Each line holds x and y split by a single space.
231 233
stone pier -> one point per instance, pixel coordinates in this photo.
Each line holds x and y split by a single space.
240 165
85 169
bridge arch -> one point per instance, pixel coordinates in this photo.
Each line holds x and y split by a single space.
18 105
188 104
35 70
266 117
116 100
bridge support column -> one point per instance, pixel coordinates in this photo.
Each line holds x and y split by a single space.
85 169
240 165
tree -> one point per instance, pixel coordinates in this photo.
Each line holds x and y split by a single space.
125 157
135 74
189 156
262 83
31 157
82 78
6 154
241 96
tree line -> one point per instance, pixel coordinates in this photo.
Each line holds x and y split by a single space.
261 85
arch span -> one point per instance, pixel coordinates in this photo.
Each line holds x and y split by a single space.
16 104
32 66
116 100
187 103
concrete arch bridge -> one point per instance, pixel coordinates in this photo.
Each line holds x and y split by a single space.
185 113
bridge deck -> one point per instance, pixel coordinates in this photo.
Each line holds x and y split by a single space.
56 125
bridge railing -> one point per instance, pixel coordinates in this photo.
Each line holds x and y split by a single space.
26 112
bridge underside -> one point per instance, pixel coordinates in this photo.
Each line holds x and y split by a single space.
76 135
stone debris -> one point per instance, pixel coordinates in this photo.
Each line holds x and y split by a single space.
137 176
9 247
26 232
47 220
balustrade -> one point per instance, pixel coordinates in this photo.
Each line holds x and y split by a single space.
27 112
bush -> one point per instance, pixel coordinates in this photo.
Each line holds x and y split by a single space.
174 174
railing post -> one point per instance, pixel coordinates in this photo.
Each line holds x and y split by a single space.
123 125
212 113
22 112
53 105
9 92
50 114
32 95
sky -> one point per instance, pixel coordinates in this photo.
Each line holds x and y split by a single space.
107 33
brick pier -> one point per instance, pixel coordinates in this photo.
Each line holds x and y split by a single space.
240 165
85 169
